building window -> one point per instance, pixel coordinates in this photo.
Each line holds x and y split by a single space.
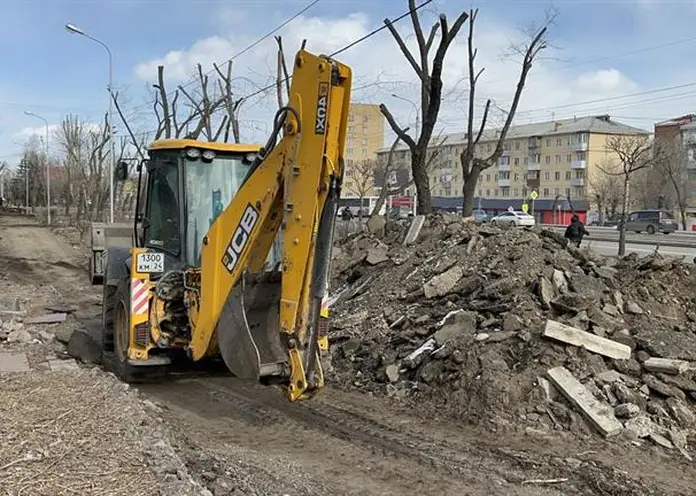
526 160
505 175
558 159
517 145
517 160
546 192
496 192
504 160
479 192
488 193
580 192
568 175
556 191
580 174
547 159
536 159
514 192
569 158
488 178
547 176
517 176
548 142
495 176
567 192
506 147
524 192
557 176
559 141
581 155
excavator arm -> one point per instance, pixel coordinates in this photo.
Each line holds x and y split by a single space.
266 323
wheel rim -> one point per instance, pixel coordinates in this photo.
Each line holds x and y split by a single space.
512 223
121 332
651 230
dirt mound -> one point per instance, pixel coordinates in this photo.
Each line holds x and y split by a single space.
454 324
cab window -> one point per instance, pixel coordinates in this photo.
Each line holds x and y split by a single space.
162 213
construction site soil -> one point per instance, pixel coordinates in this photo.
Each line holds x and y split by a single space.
447 428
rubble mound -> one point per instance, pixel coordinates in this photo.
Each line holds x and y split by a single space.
468 320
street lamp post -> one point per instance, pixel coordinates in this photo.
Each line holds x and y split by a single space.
414 108
75 30
48 171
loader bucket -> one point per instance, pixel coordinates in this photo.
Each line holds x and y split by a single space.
248 333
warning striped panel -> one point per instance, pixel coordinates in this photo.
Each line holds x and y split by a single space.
139 297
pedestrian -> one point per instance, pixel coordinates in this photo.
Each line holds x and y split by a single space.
347 214
575 231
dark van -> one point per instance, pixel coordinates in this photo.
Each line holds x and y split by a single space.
651 221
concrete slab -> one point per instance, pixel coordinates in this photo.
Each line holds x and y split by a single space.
577 337
59 365
13 362
53 318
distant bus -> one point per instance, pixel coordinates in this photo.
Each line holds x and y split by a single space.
354 203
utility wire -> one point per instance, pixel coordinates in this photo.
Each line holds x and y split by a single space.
249 47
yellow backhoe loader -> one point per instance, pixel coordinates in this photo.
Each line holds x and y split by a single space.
231 246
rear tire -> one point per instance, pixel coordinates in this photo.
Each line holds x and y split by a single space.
513 224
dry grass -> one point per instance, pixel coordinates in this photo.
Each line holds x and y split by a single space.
76 433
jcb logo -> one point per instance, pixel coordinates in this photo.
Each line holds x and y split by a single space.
240 238
322 104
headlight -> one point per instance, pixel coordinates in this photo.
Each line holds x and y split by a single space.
193 153
208 154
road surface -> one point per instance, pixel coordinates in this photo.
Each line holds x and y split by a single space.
345 443
611 248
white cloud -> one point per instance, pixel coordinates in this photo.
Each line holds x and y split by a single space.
40 131
549 91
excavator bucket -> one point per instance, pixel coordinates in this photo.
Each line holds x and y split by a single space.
248 330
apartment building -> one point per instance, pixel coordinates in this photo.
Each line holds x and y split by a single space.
556 159
681 132
365 136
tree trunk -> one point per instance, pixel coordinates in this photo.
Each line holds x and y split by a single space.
469 191
422 182
624 210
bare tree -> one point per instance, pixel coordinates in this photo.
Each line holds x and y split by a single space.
606 189
671 166
362 179
431 92
472 166
394 179
634 153
194 119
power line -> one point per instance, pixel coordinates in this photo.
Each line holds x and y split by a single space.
340 50
249 47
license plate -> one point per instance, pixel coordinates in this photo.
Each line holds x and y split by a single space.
147 263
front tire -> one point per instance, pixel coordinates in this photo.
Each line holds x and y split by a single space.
116 334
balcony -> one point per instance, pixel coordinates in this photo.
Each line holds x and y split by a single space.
533 167
533 144
579 146
504 183
506 153
577 181
578 164
533 183
503 167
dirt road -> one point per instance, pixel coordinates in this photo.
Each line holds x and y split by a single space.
236 435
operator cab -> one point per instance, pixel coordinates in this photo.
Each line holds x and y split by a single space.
188 185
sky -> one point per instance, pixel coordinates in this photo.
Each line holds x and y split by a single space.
632 60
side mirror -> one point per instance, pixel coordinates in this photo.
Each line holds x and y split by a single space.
121 171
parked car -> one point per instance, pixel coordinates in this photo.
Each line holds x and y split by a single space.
651 221
480 216
513 219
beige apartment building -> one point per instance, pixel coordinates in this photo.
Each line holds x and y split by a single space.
365 136
554 158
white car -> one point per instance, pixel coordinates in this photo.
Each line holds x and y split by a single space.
513 219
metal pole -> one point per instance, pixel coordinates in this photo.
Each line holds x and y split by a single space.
74 29
48 172
26 181
111 140
48 179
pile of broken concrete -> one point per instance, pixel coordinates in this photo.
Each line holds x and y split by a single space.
511 327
